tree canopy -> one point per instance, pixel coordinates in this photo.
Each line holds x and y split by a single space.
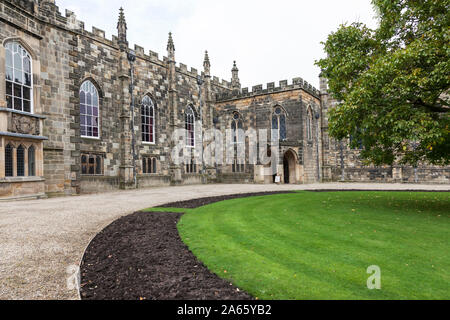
392 83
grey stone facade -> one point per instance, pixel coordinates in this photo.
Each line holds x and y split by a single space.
65 55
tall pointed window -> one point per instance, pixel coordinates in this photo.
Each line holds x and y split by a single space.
190 127
237 128
279 123
19 82
21 161
89 110
9 161
309 124
148 120
31 161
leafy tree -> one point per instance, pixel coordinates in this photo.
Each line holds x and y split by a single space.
393 83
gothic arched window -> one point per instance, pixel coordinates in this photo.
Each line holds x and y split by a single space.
237 126
309 124
279 123
31 161
89 110
9 171
20 161
19 81
148 120
190 127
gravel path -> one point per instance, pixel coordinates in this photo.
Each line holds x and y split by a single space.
40 239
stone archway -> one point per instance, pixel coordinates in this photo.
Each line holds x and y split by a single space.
290 167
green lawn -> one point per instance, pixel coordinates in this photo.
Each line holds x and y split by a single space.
310 245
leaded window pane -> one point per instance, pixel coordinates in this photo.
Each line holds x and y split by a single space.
275 122
83 164
89 110
148 120
31 162
190 127
9 161
98 166
283 127
9 74
20 161
279 123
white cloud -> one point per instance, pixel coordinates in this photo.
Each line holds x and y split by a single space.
270 40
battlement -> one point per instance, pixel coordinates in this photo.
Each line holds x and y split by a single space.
25 13
27 5
297 83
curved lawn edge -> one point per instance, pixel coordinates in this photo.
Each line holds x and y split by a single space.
105 272
404 237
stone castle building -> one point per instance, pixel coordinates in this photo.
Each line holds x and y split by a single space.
67 125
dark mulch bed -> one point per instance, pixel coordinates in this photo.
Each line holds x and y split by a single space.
197 203
141 256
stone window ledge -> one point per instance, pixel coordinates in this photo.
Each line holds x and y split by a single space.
23 136
21 179
32 115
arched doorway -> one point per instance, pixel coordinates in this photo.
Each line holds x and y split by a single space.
289 167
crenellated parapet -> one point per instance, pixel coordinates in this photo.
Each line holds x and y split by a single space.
27 5
297 83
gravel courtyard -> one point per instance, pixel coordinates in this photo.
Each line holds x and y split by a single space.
40 239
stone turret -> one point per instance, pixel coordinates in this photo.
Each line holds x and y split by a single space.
171 48
235 83
122 31
172 77
207 65
175 169
207 85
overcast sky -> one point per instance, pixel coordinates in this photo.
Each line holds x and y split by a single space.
270 40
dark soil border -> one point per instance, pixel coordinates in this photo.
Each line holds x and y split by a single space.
142 257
